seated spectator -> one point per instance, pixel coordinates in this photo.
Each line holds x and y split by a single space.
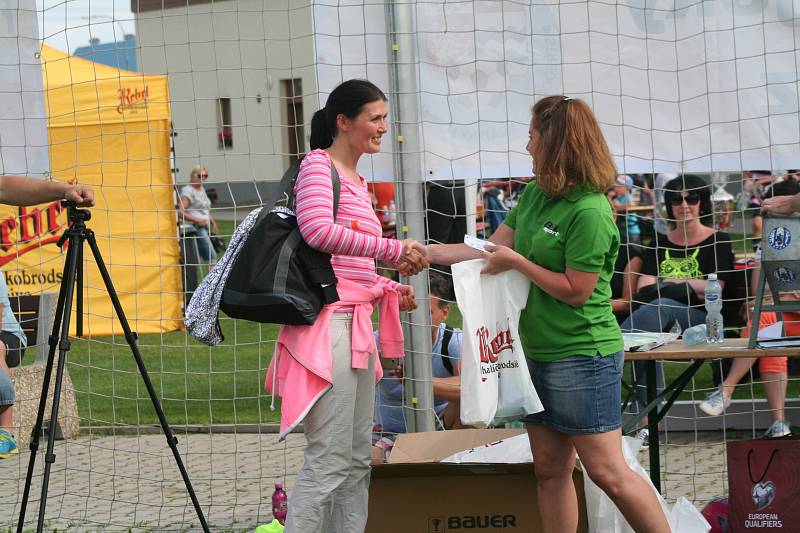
674 271
12 347
494 210
773 370
627 223
627 269
625 280
446 370
753 184
644 183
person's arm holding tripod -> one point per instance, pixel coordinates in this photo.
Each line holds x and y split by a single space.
19 190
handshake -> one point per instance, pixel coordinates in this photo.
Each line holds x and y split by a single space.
413 259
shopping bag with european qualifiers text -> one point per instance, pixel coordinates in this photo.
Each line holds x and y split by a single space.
495 383
764 485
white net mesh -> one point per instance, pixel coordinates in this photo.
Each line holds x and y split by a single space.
228 88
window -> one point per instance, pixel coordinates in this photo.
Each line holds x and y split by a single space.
224 124
295 131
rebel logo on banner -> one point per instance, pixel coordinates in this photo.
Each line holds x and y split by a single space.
32 228
490 347
132 99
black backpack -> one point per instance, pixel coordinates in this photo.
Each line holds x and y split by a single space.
277 277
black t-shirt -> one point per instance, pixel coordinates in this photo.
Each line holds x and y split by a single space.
669 260
626 254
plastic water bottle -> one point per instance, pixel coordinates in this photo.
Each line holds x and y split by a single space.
694 335
714 327
279 503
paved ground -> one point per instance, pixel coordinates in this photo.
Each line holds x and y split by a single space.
131 483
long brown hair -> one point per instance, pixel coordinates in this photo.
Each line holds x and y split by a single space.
570 150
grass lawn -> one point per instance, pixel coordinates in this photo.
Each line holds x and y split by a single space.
196 384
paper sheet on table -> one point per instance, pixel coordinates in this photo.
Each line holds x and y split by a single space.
771 332
644 342
772 337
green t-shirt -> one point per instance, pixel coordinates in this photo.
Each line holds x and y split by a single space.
575 231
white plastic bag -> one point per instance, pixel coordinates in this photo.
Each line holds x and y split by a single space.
685 518
495 383
604 517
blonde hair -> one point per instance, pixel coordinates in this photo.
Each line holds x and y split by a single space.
570 150
196 171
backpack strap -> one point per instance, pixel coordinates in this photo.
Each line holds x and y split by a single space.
286 187
445 350
337 188
284 192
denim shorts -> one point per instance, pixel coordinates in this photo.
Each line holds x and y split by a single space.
581 394
6 389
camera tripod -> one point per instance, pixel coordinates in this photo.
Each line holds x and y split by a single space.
76 234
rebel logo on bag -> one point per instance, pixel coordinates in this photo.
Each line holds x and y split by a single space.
490 306
490 349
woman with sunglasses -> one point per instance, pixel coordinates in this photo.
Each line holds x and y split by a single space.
196 208
675 269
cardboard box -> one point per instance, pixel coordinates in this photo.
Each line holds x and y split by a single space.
414 493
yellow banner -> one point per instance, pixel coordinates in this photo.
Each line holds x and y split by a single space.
121 147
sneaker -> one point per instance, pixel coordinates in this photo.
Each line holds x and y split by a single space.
8 444
779 428
715 403
644 436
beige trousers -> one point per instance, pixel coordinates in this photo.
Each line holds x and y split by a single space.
331 492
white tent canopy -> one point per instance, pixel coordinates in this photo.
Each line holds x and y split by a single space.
677 86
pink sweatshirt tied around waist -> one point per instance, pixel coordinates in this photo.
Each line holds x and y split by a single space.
301 369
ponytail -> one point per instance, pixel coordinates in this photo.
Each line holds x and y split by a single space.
321 134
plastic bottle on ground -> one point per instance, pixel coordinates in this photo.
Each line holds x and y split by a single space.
279 503
714 326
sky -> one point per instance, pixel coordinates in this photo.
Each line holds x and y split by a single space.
69 24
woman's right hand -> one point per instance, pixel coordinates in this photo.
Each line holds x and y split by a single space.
413 258
501 258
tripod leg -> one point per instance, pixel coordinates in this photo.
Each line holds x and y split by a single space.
79 294
130 337
67 285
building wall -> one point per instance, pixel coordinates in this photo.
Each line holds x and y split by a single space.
237 49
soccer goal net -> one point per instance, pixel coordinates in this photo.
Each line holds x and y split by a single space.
183 115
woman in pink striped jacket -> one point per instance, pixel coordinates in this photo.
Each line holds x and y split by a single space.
331 490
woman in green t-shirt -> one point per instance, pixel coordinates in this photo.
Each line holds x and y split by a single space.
562 236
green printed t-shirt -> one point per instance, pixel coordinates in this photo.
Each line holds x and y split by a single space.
575 231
